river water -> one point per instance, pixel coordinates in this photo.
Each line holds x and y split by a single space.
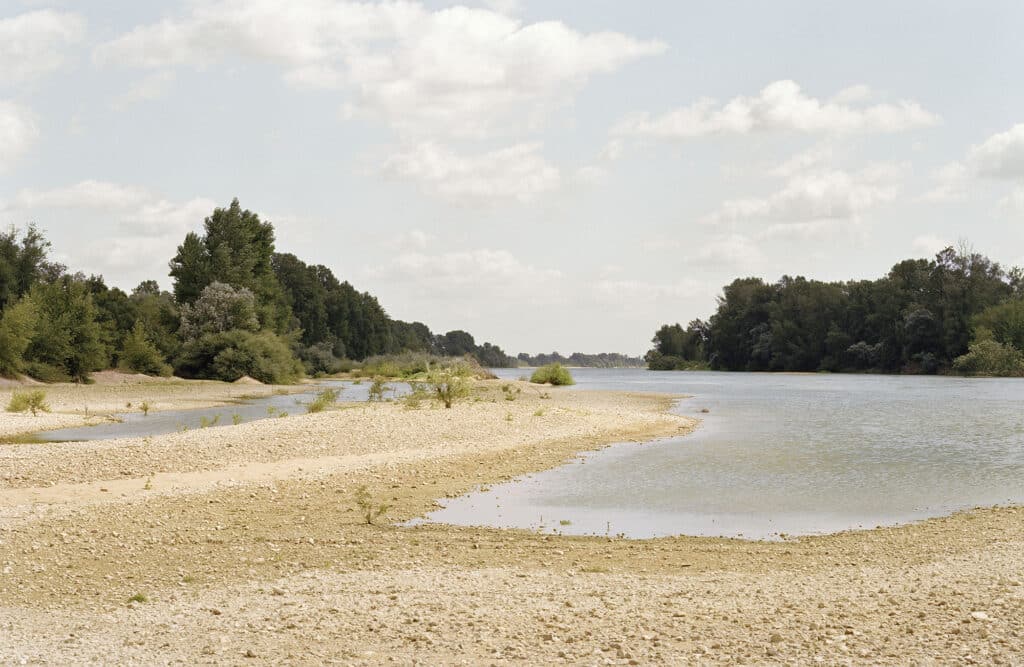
777 455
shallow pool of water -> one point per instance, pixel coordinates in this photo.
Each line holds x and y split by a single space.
779 454
137 425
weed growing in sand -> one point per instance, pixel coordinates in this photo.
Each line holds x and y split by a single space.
555 374
418 392
509 417
149 483
369 508
539 412
511 393
271 411
323 400
236 419
282 414
33 401
188 579
207 423
565 522
377 390
138 597
145 407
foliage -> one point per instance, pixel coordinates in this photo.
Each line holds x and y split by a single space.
23 263
324 399
369 508
990 357
17 326
67 338
555 374
377 389
33 401
918 318
229 355
219 308
142 356
602 360
450 384
1003 322
236 249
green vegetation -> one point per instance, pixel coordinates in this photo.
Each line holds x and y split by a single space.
555 374
145 407
33 401
369 508
602 360
139 598
324 399
237 308
920 318
450 384
377 390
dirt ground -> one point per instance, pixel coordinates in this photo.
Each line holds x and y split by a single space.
245 545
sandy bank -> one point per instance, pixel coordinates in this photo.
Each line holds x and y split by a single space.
279 568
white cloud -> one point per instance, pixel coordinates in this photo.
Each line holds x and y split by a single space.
458 70
630 293
929 244
780 106
1000 156
18 131
85 194
732 250
147 225
518 172
951 183
817 196
1013 203
464 272
815 157
32 44
150 88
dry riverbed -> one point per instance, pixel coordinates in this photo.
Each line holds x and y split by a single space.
244 545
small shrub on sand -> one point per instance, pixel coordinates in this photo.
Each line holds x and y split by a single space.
369 508
377 390
555 374
450 384
28 401
325 399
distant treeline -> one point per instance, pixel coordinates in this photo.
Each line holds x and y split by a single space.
959 311
602 360
237 308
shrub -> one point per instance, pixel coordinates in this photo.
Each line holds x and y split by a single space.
989 357
368 507
28 401
377 390
230 355
451 383
323 400
555 374
138 354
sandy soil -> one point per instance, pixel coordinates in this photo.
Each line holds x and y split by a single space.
243 545
115 392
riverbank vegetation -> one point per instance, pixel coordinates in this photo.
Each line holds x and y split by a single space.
581 360
237 308
554 374
958 312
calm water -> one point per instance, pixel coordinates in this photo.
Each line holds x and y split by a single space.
136 425
779 454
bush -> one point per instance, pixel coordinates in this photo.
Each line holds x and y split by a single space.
451 383
989 357
323 400
555 374
45 372
417 364
229 355
141 356
28 401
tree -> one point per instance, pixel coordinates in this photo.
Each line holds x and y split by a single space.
23 263
456 343
231 354
17 327
67 341
237 249
139 354
219 308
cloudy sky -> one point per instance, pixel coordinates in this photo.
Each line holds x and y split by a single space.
548 174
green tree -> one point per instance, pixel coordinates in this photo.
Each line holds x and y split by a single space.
219 308
67 340
139 354
17 327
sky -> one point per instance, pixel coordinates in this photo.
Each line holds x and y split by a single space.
546 174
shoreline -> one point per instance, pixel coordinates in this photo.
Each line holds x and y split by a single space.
254 549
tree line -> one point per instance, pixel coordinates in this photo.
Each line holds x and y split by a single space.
958 312
237 308
579 359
